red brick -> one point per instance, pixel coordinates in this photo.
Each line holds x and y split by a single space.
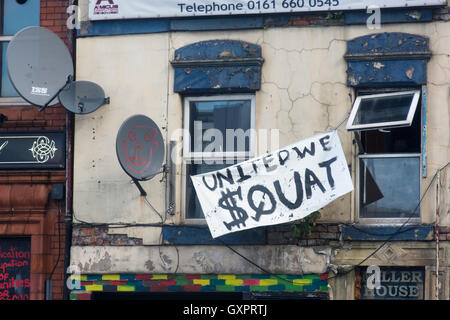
83 296
333 229
47 23
193 288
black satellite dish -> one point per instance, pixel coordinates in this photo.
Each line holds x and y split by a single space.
39 65
140 148
82 97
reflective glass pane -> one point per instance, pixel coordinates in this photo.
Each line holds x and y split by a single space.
383 109
389 187
220 126
18 16
193 207
7 89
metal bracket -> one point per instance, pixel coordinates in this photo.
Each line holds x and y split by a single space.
138 185
69 80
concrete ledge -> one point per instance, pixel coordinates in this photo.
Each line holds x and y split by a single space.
200 259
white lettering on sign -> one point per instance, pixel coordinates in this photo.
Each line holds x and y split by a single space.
133 9
279 187
39 91
394 284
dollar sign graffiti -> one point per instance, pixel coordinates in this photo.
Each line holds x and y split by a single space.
228 202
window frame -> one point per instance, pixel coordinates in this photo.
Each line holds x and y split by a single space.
190 157
358 191
7 101
381 125
358 195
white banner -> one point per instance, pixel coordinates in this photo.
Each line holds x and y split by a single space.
279 187
136 9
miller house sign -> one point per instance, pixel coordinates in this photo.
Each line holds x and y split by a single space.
37 150
396 283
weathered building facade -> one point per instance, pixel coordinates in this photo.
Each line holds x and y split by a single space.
33 181
293 75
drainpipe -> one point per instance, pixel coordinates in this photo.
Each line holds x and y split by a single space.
68 219
436 235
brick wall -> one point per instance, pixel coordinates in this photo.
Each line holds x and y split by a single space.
320 235
87 236
444 233
26 208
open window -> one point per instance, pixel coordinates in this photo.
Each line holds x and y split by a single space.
388 127
385 110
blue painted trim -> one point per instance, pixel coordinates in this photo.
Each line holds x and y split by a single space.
218 49
122 27
387 44
424 131
387 72
189 235
372 233
217 66
217 79
390 16
144 26
229 23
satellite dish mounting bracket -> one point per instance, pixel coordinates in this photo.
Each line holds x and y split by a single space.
139 186
69 80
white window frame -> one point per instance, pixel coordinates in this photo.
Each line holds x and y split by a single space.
380 125
385 221
190 157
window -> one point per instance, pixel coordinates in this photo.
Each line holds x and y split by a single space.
389 161
220 134
15 15
383 110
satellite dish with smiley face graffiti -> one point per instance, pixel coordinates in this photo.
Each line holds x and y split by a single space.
140 148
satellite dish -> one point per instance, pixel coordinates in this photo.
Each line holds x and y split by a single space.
39 65
140 148
82 97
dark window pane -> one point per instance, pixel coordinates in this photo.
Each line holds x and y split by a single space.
383 109
220 115
390 187
193 208
394 140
